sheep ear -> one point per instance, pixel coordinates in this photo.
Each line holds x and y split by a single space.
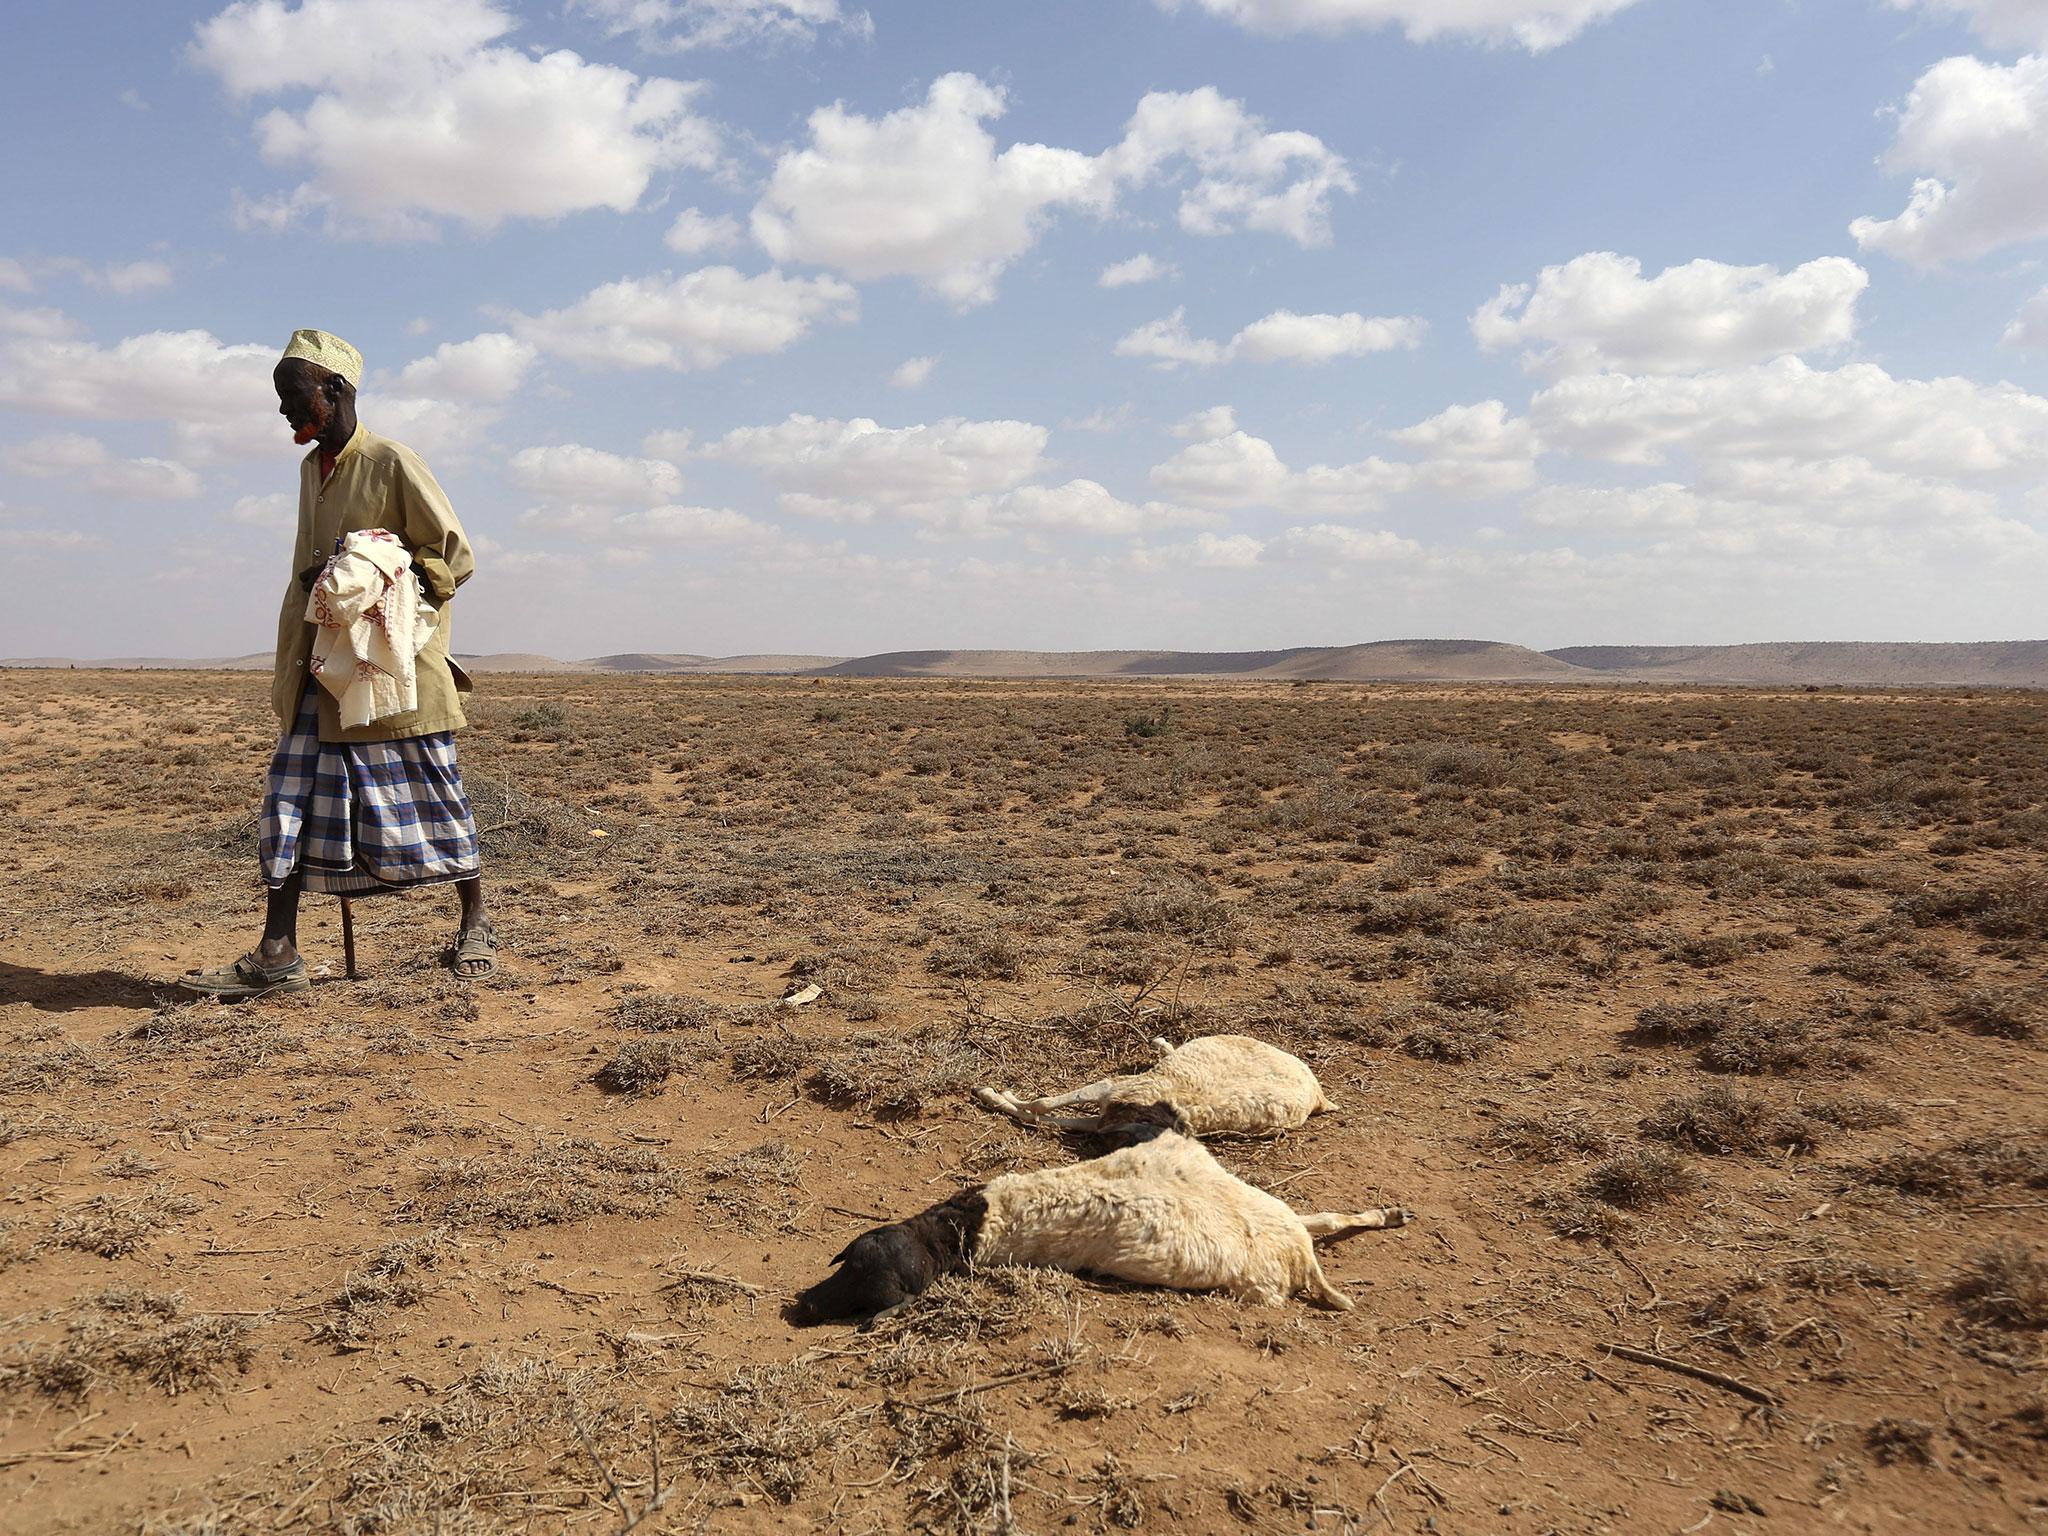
840 1256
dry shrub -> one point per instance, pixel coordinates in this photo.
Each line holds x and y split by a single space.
2009 1014
768 1056
484 1443
659 1012
115 1227
1454 1036
145 1334
551 1185
2003 1286
1946 1172
1178 911
1688 1023
2013 908
1761 1045
1465 985
1572 1214
1548 1138
639 1068
1639 1177
897 1075
1721 1119
1855 1112
984 956
741 1184
1826 1273
751 1432
69 1065
1900 1442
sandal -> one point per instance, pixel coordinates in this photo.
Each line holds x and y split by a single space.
247 978
476 946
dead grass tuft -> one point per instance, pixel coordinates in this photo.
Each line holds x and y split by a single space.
69 1065
2003 1286
1551 1137
551 1185
2009 1014
639 1068
660 1012
895 1076
751 1432
1900 1442
115 1227
143 1334
1639 1177
1721 1120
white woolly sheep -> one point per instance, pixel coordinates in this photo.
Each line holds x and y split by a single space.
1219 1085
1164 1212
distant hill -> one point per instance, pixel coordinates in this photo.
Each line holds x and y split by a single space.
1427 661
1383 660
1866 664
1881 664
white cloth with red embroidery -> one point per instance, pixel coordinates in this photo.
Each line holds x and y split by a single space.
370 623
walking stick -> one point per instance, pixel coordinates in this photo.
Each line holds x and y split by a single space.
348 938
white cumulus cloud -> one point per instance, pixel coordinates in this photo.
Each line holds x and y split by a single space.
2015 24
1463 453
216 397
676 26
912 372
89 462
1281 337
1786 409
855 469
487 367
1598 311
420 113
924 192
2029 328
1141 268
1976 136
695 232
697 320
1536 25
570 472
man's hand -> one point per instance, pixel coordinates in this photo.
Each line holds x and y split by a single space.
311 574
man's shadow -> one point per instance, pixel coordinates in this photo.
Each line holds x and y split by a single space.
64 991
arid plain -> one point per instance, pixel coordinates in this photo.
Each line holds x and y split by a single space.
1702 1028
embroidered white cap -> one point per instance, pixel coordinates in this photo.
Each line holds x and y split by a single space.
329 352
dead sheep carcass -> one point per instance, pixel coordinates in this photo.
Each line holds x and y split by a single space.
1163 1212
1219 1085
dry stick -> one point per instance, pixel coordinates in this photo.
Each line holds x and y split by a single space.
1696 1372
1012 1379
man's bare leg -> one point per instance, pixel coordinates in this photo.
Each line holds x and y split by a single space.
280 944
475 927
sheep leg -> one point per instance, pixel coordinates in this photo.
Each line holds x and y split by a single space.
1163 1046
1040 1114
1319 1289
1335 1223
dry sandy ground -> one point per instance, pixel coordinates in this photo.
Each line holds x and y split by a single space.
1703 1026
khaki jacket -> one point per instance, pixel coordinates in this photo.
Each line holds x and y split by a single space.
376 483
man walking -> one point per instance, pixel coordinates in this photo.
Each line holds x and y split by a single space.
378 807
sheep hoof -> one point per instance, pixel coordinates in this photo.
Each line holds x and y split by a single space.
1399 1216
989 1096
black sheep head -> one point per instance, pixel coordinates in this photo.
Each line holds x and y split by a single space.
884 1268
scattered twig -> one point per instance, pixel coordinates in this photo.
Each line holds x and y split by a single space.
1696 1372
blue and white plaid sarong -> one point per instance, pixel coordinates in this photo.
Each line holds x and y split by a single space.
364 816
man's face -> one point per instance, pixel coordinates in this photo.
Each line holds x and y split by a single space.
302 398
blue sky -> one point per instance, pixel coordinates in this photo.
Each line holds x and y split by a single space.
786 325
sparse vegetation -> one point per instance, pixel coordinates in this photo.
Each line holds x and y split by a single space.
1584 971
